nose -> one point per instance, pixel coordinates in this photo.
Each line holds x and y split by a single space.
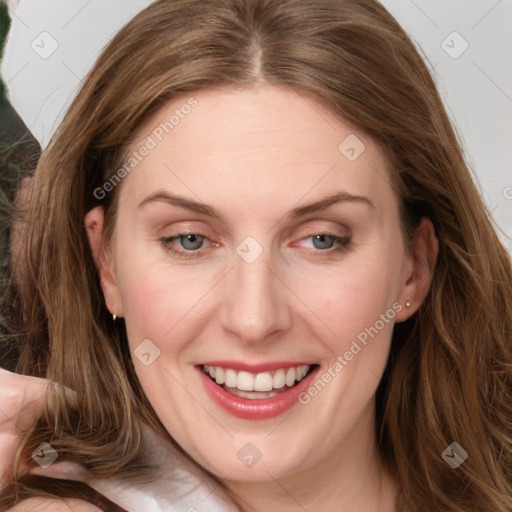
256 303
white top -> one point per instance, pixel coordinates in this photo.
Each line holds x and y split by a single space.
179 487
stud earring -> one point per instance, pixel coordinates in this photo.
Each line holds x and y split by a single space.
407 304
114 318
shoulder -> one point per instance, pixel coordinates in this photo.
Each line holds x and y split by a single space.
54 505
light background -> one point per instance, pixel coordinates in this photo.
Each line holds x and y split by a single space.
476 87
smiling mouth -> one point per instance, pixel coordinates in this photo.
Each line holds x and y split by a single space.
257 385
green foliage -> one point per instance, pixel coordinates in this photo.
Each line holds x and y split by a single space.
5 23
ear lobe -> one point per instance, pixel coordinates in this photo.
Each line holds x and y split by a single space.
424 251
103 260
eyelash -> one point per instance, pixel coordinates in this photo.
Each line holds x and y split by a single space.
343 245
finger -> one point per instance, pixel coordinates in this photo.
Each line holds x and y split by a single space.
8 449
22 401
19 394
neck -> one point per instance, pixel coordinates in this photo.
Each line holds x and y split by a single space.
350 479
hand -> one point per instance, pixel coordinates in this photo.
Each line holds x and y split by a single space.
22 401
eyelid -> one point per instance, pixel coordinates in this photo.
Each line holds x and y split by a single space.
325 230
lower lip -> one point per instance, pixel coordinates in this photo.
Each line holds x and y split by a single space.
255 409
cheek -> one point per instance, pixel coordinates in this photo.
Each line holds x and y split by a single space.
154 303
354 307
351 295
152 298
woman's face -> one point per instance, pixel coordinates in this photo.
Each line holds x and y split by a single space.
269 278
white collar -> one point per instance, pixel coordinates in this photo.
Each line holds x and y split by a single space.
180 486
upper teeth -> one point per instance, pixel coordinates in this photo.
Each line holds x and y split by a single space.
265 381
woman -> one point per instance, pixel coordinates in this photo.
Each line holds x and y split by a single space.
255 234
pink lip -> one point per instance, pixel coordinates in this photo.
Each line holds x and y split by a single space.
254 368
259 409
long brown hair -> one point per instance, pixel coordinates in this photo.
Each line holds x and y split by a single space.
449 375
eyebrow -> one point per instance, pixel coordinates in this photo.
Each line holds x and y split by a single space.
204 209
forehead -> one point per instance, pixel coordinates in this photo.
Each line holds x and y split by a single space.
253 144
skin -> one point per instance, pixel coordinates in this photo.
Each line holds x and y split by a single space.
23 400
253 155
52 505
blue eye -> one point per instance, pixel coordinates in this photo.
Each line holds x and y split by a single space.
321 239
192 244
327 243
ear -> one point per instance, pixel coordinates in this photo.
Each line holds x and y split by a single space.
104 260
422 260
